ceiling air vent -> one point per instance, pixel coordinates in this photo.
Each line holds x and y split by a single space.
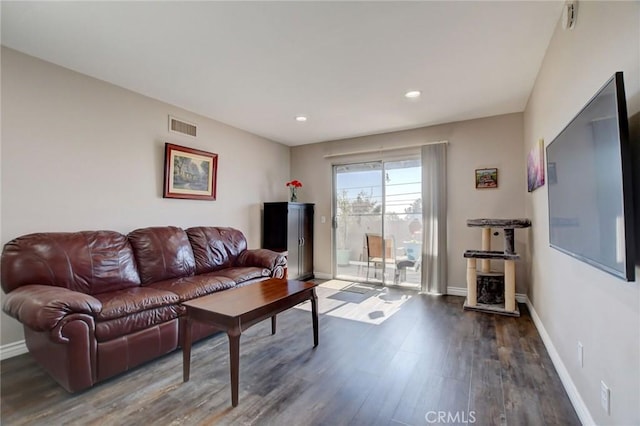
181 126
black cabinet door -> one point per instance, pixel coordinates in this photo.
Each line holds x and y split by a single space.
294 240
289 227
275 227
306 252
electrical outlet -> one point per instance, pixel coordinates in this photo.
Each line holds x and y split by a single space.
580 355
605 397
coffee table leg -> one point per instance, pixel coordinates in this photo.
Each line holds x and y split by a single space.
314 315
273 324
234 362
185 322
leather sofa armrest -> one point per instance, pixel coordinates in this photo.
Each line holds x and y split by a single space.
42 307
262 258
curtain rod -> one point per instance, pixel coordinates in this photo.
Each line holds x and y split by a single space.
383 149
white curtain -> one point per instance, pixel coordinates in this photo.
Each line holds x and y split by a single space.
434 218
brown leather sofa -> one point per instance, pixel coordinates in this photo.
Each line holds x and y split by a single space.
97 303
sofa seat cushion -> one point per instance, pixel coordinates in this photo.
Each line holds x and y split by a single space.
121 303
242 274
137 321
188 288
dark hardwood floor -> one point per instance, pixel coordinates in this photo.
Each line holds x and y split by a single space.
386 357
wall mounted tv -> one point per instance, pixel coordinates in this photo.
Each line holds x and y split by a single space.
590 184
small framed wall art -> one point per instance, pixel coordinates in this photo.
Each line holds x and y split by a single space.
486 178
535 166
189 173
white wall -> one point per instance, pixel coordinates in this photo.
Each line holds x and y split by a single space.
487 142
82 154
575 301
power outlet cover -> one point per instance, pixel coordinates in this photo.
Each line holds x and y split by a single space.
605 397
580 355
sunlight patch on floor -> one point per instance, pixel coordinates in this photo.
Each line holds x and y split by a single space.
336 284
374 307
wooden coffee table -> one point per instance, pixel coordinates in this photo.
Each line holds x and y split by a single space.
237 309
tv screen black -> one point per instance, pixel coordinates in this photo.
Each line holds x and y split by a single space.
590 194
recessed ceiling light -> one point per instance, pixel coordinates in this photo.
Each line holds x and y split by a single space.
301 118
412 94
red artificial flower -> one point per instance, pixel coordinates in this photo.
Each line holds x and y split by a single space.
295 183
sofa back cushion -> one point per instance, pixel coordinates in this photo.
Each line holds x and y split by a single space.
90 262
162 253
215 248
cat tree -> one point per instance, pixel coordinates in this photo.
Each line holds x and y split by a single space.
497 290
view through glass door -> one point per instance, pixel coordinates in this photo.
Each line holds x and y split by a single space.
378 230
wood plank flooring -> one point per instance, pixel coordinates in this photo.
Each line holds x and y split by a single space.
409 359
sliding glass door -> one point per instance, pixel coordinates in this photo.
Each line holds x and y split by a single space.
377 222
358 195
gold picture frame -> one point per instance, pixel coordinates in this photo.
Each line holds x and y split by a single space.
189 173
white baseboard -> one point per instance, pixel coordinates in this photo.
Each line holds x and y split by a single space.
578 404
457 291
322 276
462 291
13 349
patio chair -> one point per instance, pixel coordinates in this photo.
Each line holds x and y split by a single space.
375 246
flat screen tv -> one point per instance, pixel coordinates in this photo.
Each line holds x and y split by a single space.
590 184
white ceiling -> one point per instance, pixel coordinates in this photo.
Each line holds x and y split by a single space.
256 65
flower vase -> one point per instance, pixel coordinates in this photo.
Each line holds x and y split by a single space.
294 194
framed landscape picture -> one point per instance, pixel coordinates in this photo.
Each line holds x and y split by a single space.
486 178
189 173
